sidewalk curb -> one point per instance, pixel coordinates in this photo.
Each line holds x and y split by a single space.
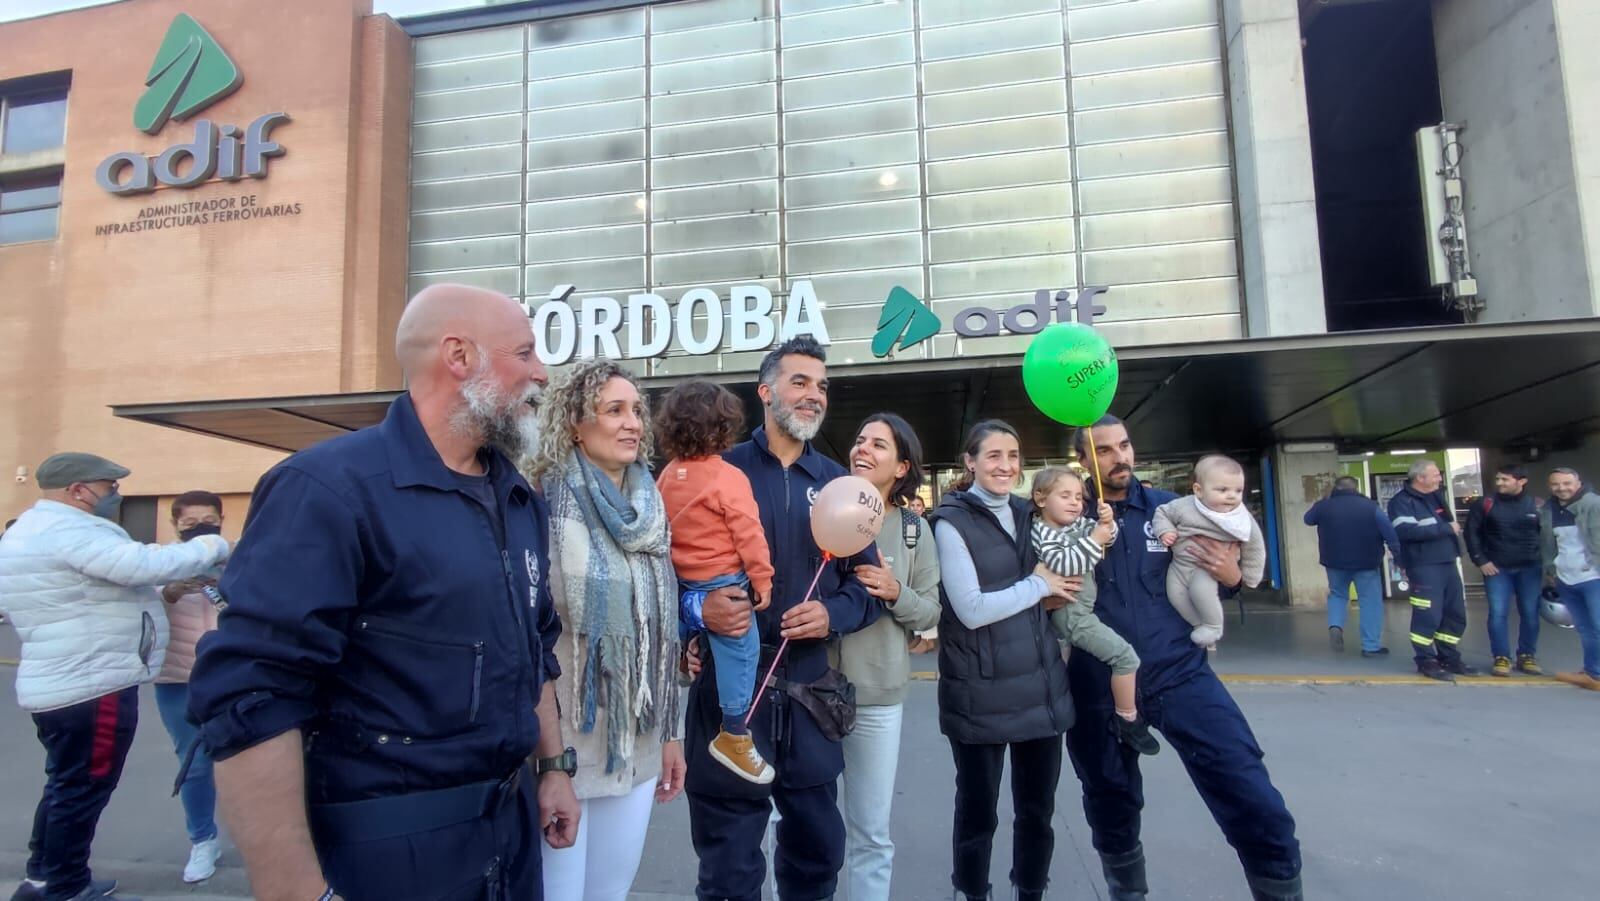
1351 679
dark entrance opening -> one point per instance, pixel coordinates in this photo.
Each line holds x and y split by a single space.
1371 81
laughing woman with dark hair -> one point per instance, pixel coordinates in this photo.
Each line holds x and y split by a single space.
1002 681
877 659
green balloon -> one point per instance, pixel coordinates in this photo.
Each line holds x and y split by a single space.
1070 373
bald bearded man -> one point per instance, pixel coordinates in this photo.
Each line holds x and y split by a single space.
383 670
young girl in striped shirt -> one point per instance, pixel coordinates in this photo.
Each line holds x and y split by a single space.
1070 544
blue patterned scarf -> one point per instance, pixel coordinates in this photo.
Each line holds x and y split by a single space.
614 552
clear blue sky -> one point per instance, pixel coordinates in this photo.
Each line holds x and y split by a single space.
23 9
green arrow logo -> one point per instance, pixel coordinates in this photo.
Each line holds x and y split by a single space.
191 71
905 320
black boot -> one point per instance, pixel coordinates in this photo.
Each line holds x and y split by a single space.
963 896
1019 894
1263 888
1125 875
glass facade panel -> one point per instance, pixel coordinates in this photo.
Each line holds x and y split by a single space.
851 153
590 150
970 152
994 69
705 137
613 179
500 98
468 223
586 244
701 234
855 219
586 89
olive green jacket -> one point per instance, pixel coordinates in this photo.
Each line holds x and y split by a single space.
877 659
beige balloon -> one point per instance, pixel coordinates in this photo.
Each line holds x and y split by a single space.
846 516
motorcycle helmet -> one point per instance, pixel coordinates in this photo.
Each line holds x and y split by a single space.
1552 611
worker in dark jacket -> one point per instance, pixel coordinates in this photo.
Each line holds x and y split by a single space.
727 815
1351 533
383 670
1178 694
1502 535
1428 543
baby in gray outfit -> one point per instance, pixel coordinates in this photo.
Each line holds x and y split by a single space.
1215 510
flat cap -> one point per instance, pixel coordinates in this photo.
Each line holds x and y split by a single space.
62 470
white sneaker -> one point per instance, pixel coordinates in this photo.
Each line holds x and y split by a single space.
202 861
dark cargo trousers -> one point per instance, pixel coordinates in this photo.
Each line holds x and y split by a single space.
1438 612
1201 722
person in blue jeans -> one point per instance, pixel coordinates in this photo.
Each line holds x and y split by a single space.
1502 536
1352 531
1569 541
190 615
717 543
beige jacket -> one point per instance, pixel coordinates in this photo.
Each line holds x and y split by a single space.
592 780
1188 518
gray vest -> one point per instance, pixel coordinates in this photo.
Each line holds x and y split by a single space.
1004 682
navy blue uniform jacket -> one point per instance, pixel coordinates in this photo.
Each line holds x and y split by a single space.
373 605
1352 531
1132 600
1423 523
802 755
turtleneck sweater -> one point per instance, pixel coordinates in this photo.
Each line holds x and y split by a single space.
975 607
999 505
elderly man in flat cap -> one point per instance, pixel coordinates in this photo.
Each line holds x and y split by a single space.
83 596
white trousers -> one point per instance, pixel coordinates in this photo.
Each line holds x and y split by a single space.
871 756
601 869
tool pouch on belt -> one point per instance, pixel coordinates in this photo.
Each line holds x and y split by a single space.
831 701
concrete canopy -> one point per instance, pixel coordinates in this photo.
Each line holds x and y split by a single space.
1505 386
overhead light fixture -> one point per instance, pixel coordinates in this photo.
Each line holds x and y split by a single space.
640 203
1406 453
1370 454
888 179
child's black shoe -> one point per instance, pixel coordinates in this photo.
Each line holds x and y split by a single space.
1135 734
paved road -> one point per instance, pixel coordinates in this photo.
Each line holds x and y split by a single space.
1481 791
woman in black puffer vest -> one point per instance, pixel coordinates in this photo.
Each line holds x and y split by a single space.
1002 682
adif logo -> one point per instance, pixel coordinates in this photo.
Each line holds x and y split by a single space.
904 319
191 71
1152 545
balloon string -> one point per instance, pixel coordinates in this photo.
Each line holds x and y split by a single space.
826 558
1099 490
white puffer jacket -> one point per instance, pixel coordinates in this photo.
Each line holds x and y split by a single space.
81 594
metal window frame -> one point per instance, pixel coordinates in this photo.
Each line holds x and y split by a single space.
25 88
8 184
55 171
450 21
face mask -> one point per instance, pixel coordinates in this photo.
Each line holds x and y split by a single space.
204 528
107 506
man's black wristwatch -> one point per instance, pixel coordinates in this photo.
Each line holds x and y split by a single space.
565 762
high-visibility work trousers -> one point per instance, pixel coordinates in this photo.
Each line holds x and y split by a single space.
1438 612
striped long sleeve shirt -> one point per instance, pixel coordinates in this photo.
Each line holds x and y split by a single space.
1068 551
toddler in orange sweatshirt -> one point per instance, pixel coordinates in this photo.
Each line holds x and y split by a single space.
717 542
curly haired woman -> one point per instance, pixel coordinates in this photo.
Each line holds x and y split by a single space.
614 587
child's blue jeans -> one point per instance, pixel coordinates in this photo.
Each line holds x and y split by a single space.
735 658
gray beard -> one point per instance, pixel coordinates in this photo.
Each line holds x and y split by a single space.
794 426
509 425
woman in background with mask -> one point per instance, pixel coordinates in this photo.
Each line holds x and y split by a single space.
191 614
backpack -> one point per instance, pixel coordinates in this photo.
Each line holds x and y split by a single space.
911 527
